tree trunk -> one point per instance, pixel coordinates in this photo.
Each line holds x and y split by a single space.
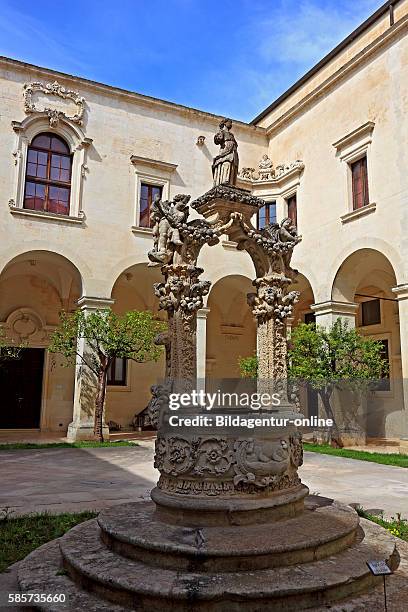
100 403
334 434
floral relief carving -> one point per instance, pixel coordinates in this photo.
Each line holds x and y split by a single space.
296 448
54 114
245 464
213 457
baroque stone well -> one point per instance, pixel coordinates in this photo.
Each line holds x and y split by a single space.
230 526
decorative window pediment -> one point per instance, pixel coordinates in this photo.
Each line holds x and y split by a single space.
356 142
55 101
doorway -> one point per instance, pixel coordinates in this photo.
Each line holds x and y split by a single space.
21 382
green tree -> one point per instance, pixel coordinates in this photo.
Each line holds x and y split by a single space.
106 336
333 358
248 366
327 359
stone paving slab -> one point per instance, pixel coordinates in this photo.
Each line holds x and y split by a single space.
371 485
73 479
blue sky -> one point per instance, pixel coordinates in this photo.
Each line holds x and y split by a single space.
230 57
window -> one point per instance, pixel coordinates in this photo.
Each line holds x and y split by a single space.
310 317
266 215
370 312
117 372
359 183
147 194
292 209
48 175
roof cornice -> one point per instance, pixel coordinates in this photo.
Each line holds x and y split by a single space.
165 105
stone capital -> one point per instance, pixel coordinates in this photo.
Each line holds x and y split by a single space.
335 308
401 292
87 302
202 313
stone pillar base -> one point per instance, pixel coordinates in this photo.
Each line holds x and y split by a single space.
84 431
200 512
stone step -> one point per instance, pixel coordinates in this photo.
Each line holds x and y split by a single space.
133 530
140 586
42 572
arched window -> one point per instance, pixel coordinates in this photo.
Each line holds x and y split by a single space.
48 175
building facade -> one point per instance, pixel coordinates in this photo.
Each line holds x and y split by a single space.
80 163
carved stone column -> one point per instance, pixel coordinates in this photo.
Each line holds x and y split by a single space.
202 343
181 295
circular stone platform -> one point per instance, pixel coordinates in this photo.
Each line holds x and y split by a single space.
129 559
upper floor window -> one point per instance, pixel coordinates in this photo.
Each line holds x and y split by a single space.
359 183
370 312
292 209
117 372
48 175
266 215
148 193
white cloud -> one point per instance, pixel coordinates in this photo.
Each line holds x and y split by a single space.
306 34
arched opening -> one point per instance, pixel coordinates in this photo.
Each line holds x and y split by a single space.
231 330
128 391
302 312
366 278
37 390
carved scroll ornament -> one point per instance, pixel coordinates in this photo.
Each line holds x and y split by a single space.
53 114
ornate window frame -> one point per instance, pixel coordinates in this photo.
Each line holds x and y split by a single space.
349 149
78 144
152 172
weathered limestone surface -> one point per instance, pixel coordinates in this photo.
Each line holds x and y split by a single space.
128 569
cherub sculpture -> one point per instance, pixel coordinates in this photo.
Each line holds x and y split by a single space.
168 217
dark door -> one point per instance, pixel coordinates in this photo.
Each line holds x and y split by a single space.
20 390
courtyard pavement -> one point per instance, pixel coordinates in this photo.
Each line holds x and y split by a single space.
76 479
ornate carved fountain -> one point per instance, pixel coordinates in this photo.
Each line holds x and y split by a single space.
197 463
231 527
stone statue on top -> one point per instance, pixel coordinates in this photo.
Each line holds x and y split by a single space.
225 164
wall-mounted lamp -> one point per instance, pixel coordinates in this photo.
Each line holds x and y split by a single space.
200 141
